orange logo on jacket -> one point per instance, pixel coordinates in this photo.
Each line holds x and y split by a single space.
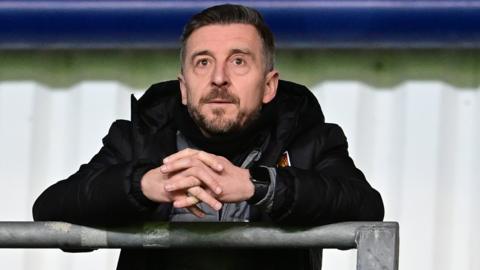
284 160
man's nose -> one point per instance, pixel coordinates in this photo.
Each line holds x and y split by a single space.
220 75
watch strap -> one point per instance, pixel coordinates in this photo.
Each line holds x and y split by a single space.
260 178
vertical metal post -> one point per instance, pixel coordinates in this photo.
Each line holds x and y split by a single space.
377 247
316 258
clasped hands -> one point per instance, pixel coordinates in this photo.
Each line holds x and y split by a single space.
190 176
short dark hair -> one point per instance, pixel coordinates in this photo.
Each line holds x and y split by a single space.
229 14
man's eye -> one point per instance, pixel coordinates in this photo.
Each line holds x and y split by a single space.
238 61
202 62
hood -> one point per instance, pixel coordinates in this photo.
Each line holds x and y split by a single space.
156 108
297 108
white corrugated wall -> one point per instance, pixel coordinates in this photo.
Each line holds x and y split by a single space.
418 144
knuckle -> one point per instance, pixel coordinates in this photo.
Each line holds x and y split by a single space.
208 179
178 204
202 154
196 171
193 181
194 162
193 191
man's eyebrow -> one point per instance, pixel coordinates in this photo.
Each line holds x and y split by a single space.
232 52
203 52
241 51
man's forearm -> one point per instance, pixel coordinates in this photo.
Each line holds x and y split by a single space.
91 197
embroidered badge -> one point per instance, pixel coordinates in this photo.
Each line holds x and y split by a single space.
284 160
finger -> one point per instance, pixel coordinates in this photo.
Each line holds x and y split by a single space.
197 194
204 196
194 176
196 211
210 160
193 199
179 164
206 177
180 154
181 182
186 202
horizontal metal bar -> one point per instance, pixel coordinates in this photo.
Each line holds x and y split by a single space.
168 235
86 24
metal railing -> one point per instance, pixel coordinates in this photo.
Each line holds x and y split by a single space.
377 243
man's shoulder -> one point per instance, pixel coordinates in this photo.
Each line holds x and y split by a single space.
289 90
158 92
301 100
292 87
157 105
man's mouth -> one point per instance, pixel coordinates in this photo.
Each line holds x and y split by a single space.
220 101
219 97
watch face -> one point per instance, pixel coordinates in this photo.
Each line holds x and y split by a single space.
260 183
260 175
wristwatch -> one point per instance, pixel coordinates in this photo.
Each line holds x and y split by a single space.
260 178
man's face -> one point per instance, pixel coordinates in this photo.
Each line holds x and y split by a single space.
224 81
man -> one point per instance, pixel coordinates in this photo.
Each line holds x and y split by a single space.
228 141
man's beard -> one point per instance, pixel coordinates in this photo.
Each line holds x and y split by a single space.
220 125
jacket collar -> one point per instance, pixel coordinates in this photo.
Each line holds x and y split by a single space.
298 109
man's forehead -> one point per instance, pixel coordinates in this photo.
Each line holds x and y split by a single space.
225 36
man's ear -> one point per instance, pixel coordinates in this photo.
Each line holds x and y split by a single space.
183 88
271 84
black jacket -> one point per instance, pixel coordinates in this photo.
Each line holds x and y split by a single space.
321 186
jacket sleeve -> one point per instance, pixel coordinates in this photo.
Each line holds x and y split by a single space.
103 192
332 190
